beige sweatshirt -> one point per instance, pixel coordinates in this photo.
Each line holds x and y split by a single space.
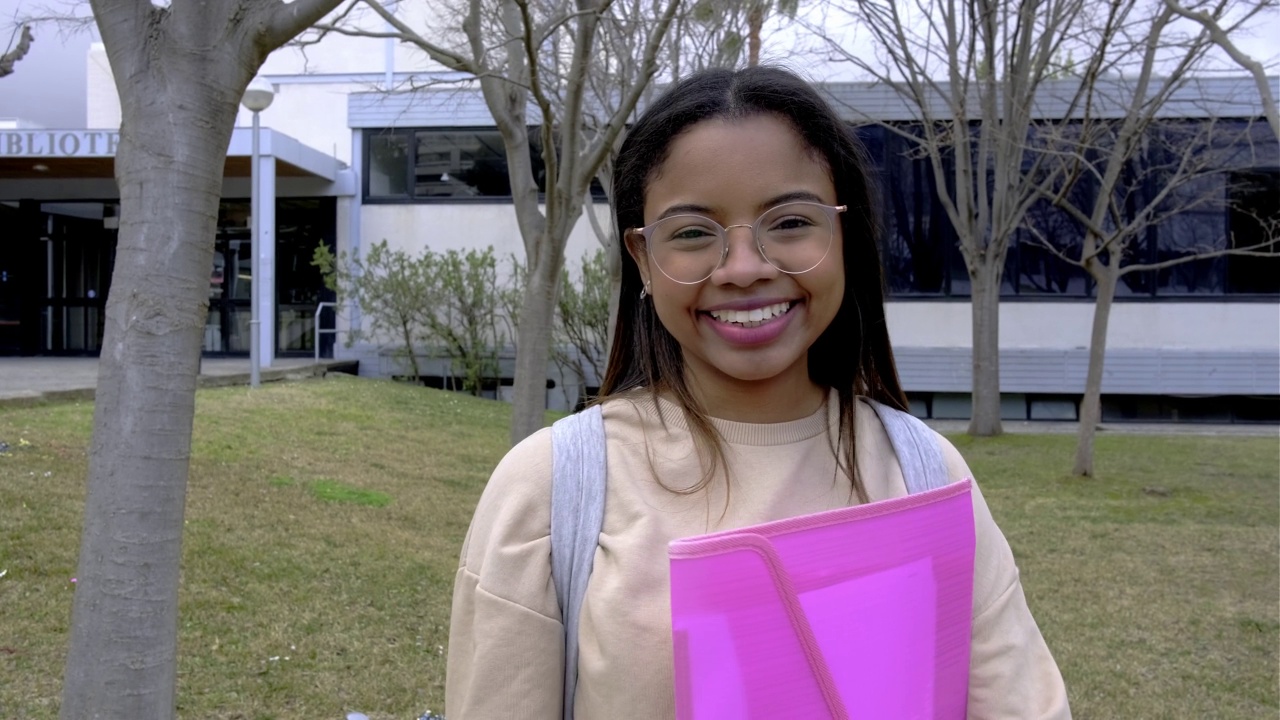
506 643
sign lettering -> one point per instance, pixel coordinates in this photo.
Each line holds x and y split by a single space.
61 143
69 145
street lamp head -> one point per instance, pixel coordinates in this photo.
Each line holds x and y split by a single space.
258 96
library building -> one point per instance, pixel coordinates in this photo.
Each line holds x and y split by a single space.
350 157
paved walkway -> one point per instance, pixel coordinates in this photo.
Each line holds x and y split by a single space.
1048 427
32 379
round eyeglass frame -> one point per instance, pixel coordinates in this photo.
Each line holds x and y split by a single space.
647 231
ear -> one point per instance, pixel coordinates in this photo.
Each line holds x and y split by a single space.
639 254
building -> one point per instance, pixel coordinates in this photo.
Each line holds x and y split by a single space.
350 163
60 215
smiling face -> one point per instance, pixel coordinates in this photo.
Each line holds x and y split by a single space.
746 330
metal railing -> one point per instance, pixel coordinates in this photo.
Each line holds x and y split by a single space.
318 331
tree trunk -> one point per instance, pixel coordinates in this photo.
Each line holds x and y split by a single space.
533 335
755 25
985 418
121 660
1091 403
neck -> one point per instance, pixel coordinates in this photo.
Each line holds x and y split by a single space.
763 401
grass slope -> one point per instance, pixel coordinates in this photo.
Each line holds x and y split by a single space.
324 520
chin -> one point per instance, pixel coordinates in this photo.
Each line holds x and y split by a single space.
759 371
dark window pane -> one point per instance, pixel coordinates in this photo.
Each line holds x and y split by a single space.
1184 235
459 164
1254 218
917 237
597 191
388 165
1182 162
1042 272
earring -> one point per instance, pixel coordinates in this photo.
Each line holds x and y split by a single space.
644 291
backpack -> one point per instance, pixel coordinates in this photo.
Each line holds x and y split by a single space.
578 492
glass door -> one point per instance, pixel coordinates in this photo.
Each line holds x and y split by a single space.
17 269
230 285
80 252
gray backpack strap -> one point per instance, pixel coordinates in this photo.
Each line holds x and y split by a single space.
577 513
916 447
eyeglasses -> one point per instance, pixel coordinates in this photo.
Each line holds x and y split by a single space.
793 237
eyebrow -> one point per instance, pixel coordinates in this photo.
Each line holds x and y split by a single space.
794 196
695 209
684 209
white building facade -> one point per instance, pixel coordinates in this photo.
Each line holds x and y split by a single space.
350 164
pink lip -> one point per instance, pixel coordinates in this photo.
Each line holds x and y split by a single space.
759 335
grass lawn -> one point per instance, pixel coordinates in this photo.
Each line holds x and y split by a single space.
324 520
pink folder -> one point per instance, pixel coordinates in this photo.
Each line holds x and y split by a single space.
861 612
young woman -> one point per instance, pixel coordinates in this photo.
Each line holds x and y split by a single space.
751 323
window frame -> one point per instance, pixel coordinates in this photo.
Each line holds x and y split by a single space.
410 133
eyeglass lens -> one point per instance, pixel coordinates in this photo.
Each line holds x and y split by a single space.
793 238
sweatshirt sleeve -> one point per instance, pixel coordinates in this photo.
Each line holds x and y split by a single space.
1012 675
506 641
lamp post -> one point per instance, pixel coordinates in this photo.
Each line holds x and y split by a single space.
257 97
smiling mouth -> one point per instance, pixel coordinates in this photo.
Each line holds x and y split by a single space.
752 318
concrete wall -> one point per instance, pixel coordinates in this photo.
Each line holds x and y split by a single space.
1165 324
102 104
315 114
444 227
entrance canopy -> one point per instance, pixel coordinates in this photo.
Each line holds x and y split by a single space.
27 155
58 197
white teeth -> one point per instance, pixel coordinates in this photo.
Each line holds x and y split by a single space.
751 317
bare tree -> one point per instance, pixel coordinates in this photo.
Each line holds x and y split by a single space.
1203 14
180 73
18 49
1128 175
543 54
970 72
758 11
707 33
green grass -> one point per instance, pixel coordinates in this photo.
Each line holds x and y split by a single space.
334 491
324 520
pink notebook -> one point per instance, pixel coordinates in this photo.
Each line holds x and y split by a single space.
861 612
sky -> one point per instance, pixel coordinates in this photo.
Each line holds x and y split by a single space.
48 86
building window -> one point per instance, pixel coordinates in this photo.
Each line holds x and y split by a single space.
448 165
1254 220
1214 211
388 165
459 164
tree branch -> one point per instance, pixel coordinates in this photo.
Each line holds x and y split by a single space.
119 22
289 19
1257 250
1043 242
574 180
550 159
19 51
1220 38
448 58
598 152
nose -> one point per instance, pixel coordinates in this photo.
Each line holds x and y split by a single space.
743 264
